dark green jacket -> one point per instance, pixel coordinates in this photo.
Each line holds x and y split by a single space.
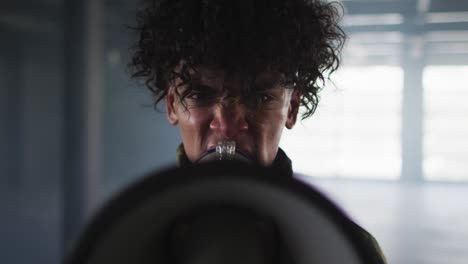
283 164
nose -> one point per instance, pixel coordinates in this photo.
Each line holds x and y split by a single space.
230 118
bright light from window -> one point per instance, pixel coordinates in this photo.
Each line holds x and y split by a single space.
355 132
446 123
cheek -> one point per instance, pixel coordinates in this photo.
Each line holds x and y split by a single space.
269 126
194 130
194 123
197 117
271 123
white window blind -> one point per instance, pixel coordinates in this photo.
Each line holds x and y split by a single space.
445 143
355 131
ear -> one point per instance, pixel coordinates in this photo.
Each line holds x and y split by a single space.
293 109
171 106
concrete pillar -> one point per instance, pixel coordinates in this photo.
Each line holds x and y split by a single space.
412 111
83 44
12 108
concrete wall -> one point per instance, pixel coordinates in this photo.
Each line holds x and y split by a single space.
135 138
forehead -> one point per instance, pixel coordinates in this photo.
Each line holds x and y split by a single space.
218 78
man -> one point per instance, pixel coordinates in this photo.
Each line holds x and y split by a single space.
238 71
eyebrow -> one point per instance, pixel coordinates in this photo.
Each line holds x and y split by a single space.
202 87
266 86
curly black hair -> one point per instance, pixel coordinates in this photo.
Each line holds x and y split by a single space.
301 39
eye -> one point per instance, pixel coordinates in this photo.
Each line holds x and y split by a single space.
264 98
198 99
196 96
200 94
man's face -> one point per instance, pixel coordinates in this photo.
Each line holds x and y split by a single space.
211 114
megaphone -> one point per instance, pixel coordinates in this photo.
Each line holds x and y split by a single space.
220 212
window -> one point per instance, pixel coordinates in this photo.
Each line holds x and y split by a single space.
355 131
445 143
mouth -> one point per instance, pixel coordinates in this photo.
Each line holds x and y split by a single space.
238 151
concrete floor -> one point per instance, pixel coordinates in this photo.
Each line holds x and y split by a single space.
414 223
